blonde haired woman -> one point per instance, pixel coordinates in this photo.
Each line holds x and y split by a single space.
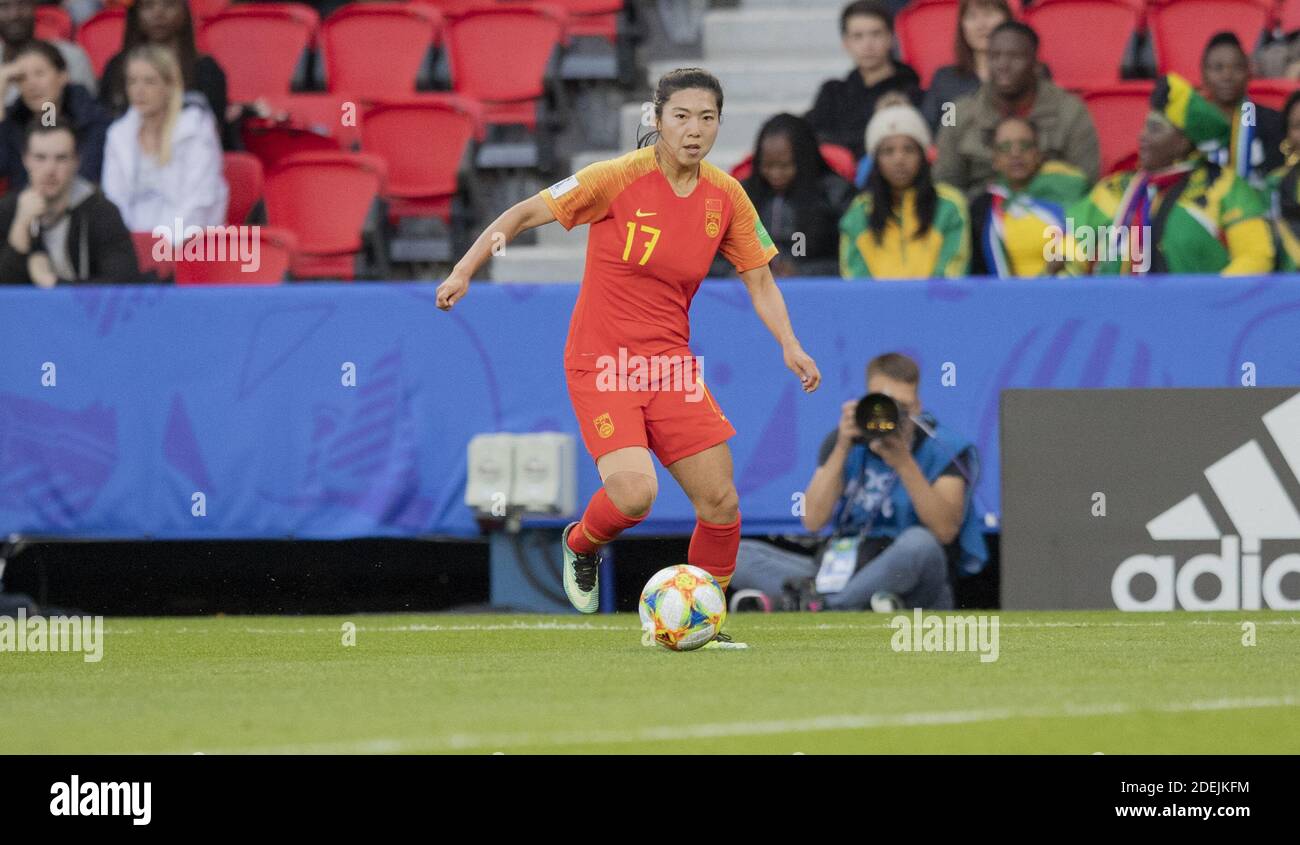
162 162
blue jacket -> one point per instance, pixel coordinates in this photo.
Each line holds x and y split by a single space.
881 505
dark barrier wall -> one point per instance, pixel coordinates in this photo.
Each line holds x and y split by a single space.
1151 499
119 405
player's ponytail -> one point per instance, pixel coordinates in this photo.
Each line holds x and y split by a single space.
680 80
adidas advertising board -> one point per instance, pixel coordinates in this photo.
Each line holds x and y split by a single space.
1154 499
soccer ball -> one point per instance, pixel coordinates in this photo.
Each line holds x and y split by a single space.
682 607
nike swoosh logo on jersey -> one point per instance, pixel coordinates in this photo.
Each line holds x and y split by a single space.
640 213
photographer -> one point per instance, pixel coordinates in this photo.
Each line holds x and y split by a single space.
900 504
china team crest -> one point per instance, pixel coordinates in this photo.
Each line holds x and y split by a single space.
712 217
604 426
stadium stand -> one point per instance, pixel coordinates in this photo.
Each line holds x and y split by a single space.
330 234
275 252
1084 62
53 22
244 176
101 36
277 33
376 50
1180 29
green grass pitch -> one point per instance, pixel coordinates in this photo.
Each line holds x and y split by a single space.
1074 683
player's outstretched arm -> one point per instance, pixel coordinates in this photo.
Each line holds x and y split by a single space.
520 217
770 306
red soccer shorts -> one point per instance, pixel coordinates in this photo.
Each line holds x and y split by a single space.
674 420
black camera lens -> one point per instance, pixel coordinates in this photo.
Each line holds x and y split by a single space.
877 415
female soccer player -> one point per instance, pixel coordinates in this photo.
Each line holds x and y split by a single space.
658 217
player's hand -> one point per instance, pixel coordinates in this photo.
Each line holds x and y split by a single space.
451 290
802 365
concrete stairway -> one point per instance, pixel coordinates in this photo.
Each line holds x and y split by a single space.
769 57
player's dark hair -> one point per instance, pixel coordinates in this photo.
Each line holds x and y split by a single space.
1022 29
895 365
882 199
869 8
809 166
680 80
1221 39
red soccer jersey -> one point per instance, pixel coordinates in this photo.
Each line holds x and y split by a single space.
647 252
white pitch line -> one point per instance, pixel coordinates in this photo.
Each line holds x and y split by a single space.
586 626
721 730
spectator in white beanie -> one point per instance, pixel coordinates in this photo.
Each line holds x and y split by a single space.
903 225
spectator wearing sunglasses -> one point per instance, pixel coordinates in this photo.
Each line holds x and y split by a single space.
1023 208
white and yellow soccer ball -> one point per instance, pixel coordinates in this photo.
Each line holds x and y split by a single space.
682 608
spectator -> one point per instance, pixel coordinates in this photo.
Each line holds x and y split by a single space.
1284 188
798 198
1015 86
1254 147
887 99
1013 220
1280 58
903 226
843 106
61 228
45 93
168 23
17 29
1200 217
901 505
163 161
976 20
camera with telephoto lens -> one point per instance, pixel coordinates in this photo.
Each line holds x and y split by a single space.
877 415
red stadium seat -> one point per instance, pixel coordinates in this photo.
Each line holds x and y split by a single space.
1083 62
926 34
1271 93
53 23
839 159
355 35
243 172
1287 17
598 18
337 114
1118 111
324 199
1180 30
422 178
275 253
271 141
201 10
101 36
509 90
259 46
144 256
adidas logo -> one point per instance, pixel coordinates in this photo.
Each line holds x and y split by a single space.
1259 508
